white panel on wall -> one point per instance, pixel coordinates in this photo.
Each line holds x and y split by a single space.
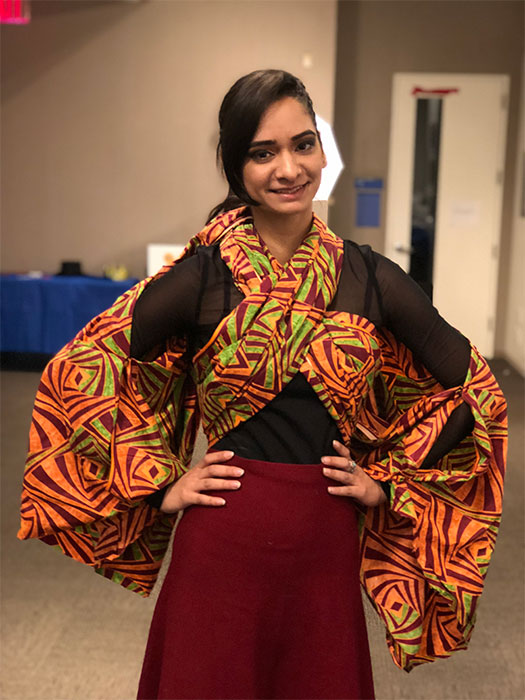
160 254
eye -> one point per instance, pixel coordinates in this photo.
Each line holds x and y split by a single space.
261 155
306 145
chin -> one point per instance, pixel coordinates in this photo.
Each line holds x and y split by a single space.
290 209
301 206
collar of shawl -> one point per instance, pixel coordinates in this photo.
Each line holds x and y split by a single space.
317 261
279 299
310 275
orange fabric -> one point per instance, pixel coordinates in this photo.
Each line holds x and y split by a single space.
107 431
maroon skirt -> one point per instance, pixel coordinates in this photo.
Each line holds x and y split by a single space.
262 596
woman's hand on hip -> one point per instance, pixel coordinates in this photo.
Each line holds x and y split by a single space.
207 475
354 482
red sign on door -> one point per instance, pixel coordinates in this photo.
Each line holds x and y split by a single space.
439 92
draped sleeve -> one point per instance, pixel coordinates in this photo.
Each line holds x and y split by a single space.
425 554
107 431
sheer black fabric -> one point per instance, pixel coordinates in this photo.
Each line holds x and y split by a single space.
196 294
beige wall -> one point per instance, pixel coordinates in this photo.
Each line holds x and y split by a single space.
377 39
513 341
109 118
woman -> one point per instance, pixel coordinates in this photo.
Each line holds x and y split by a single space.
300 353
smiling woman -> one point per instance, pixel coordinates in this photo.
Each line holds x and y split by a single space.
282 173
283 169
331 393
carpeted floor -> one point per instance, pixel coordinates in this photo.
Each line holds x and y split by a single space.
68 634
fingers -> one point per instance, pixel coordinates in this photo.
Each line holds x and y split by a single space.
341 449
349 482
201 499
356 483
221 470
210 465
213 457
349 491
211 475
196 493
213 484
340 475
343 462
368 495
338 469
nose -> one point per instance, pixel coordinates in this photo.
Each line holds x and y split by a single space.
287 167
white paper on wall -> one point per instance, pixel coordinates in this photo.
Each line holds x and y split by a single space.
465 213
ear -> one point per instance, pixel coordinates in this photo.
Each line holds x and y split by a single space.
325 162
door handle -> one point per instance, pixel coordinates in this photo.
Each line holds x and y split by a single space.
400 248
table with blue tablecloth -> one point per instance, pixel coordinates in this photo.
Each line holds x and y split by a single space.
40 315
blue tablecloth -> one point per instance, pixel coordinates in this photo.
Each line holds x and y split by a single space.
41 315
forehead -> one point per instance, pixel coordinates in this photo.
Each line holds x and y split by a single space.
284 118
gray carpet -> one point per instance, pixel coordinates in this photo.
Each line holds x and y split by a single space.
68 634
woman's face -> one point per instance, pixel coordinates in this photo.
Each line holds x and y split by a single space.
283 168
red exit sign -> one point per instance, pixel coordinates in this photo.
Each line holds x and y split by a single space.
14 12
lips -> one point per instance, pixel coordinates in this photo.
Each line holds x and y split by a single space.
290 190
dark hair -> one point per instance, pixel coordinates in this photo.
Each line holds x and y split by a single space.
241 111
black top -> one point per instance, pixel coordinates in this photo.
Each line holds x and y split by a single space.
192 298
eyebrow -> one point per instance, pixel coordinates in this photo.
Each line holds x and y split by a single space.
308 132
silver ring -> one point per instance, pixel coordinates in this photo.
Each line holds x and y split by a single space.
351 466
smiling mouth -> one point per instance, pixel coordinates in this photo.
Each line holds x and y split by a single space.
290 190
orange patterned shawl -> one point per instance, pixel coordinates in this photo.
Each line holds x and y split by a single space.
108 430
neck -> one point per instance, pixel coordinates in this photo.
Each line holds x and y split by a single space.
282 234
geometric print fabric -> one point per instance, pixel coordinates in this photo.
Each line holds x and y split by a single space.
108 430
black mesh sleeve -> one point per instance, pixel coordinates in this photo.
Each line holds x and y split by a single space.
166 308
410 316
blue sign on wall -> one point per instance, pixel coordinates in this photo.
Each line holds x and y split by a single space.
368 201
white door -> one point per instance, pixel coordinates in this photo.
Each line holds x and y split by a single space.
469 192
